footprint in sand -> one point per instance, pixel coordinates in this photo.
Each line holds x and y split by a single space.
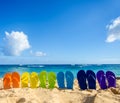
21 100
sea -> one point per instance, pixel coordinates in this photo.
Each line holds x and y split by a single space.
74 68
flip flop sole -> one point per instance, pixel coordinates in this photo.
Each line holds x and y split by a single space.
81 76
60 80
69 79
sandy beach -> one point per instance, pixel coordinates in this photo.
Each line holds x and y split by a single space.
41 95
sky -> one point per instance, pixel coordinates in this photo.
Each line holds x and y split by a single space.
59 31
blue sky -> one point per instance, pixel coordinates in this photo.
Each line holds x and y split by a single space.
59 31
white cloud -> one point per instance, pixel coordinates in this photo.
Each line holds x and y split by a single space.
15 43
113 30
37 53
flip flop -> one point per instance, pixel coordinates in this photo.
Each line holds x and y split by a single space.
25 79
108 73
81 76
60 80
51 80
34 80
69 79
101 79
15 80
43 79
91 79
111 78
7 81
98 75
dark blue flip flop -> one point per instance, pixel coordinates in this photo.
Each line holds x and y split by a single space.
81 76
91 79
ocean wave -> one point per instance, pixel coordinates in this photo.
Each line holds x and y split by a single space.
35 66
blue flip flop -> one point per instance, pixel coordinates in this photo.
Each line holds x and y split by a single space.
69 79
60 80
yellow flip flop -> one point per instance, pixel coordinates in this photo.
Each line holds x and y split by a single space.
34 79
25 79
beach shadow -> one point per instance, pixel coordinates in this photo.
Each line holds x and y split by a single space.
115 90
21 100
89 99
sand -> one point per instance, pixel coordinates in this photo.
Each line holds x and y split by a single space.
41 95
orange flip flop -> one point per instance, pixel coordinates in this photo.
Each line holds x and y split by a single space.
7 81
15 80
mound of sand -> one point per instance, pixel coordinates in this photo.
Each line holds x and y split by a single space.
40 95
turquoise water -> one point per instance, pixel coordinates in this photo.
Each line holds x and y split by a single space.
57 68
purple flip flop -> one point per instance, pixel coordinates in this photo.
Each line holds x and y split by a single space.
111 78
101 79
